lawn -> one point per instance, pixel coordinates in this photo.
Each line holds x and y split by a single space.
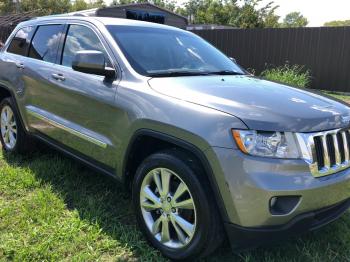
52 208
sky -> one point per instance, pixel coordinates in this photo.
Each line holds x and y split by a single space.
317 11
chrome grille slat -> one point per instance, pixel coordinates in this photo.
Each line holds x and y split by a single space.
341 146
346 146
327 162
326 152
336 149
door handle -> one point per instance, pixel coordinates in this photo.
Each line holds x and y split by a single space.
20 65
59 77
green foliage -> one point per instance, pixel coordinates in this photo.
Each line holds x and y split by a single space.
338 23
48 7
249 14
295 19
294 75
7 6
272 20
79 5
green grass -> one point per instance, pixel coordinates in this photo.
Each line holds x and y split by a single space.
54 209
339 96
294 75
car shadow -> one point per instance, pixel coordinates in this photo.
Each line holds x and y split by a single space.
102 200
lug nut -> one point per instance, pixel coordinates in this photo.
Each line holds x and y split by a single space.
169 199
173 210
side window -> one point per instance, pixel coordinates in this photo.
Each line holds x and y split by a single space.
45 43
20 42
81 38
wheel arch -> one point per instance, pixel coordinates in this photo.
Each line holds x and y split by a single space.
8 92
164 141
5 92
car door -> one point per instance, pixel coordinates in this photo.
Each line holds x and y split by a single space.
79 107
38 66
12 66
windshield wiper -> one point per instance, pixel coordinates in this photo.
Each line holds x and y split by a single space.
177 73
226 72
193 73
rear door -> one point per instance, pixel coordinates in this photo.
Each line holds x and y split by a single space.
79 107
12 64
39 66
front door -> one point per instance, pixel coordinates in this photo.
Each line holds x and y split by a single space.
79 108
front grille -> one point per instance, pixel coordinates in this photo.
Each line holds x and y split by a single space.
328 151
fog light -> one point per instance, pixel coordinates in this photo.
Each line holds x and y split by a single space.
283 205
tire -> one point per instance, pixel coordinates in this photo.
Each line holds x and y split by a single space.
206 230
19 141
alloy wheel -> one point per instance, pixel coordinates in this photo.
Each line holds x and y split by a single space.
168 208
8 127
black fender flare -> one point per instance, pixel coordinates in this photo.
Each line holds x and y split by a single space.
12 94
187 147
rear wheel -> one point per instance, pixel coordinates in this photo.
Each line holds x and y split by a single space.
13 137
174 209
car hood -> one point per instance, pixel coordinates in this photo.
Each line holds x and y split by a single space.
260 104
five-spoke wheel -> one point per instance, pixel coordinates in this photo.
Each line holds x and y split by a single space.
168 208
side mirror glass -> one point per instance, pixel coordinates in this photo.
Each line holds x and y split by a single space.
92 62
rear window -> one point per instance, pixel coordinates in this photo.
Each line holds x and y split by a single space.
45 43
20 42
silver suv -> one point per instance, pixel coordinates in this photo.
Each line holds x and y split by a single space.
205 149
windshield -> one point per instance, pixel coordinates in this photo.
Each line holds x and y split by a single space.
160 52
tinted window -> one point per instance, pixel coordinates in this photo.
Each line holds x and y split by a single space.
81 38
45 43
20 43
155 51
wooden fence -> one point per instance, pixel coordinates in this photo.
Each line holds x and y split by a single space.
325 51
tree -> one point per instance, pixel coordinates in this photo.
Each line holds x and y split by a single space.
272 20
48 7
230 12
79 5
295 19
7 6
338 23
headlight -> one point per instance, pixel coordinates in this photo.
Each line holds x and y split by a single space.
267 144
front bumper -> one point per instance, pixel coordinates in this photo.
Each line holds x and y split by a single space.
247 184
243 238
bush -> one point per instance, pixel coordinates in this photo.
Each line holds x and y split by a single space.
293 75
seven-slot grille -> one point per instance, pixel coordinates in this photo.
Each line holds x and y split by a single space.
331 152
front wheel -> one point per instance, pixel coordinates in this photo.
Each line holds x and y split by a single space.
174 209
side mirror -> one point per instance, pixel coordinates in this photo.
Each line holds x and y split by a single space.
233 60
92 62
